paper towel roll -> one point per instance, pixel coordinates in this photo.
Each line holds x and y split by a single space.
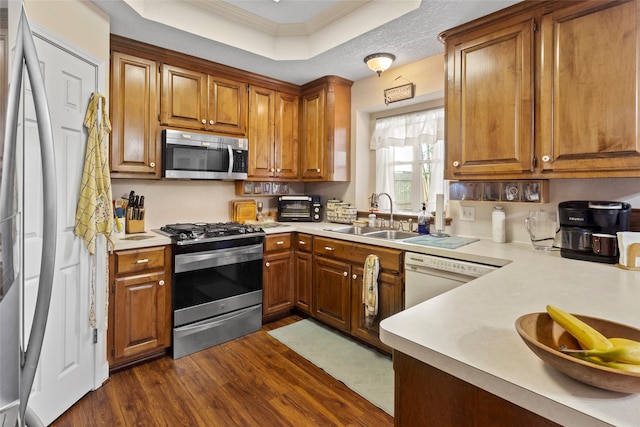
439 221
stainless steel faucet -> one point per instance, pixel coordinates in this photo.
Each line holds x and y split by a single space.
390 208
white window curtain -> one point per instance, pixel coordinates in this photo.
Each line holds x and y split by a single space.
412 129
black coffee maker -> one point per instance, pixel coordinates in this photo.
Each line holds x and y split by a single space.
583 221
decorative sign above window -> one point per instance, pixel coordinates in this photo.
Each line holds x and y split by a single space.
399 93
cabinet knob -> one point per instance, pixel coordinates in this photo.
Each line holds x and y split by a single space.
152 164
267 264
278 170
204 122
272 170
546 159
211 122
161 282
456 164
355 276
345 274
318 170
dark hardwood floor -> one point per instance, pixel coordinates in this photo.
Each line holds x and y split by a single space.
251 381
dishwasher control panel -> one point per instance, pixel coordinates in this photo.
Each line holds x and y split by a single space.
414 261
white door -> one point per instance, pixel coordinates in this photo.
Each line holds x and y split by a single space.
67 363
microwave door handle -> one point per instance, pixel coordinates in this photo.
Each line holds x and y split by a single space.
230 159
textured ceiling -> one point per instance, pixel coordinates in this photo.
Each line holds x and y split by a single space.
410 38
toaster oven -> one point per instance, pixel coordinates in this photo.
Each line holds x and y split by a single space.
299 209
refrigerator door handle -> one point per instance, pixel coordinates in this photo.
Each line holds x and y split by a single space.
26 51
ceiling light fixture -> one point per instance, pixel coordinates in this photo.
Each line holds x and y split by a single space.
378 62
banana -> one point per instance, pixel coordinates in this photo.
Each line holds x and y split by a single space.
622 342
627 367
588 337
626 354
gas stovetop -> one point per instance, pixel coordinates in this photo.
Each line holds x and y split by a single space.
201 232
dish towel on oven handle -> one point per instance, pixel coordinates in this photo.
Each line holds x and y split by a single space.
370 288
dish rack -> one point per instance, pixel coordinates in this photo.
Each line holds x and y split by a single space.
340 212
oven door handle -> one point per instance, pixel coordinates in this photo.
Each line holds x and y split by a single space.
217 258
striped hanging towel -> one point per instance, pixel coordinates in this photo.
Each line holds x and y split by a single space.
94 212
370 288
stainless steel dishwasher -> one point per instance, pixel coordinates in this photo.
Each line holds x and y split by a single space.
427 276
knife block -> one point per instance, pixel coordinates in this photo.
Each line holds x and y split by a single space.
134 225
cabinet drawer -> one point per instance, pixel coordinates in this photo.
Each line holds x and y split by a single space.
303 243
277 242
137 260
390 259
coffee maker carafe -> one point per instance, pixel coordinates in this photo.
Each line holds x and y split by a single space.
584 222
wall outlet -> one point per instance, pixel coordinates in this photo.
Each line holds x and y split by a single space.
467 213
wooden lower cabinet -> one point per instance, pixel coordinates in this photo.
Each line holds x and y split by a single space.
277 292
426 396
139 304
337 286
303 271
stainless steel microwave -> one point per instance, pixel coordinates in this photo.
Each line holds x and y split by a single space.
299 209
191 155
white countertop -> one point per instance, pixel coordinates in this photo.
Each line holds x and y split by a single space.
469 332
139 240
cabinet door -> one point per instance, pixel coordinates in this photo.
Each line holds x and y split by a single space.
589 102
286 136
183 101
140 314
489 101
390 302
261 133
135 144
313 146
277 283
227 106
303 281
332 292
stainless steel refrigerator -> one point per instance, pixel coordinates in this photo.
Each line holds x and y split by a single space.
19 360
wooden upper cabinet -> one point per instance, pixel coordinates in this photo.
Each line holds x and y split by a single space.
545 90
135 141
273 134
489 100
589 99
325 128
195 100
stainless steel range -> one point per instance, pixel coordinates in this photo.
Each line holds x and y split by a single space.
217 283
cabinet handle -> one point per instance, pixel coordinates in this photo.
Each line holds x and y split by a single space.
300 242
152 164
280 242
161 282
142 261
204 122
546 159
355 276
345 274
456 164
329 248
267 264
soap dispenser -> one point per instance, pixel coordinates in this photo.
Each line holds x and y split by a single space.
423 220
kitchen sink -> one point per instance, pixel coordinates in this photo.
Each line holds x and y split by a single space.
380 233
355 230
391 234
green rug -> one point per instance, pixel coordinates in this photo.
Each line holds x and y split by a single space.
364 370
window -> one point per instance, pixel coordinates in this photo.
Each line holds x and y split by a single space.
410 159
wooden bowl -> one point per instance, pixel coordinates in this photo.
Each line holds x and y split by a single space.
544 336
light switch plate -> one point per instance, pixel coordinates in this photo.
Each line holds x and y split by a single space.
467 213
